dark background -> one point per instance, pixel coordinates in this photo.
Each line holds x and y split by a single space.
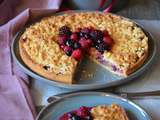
135 9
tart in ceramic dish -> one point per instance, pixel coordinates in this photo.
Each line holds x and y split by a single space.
100 112
55 46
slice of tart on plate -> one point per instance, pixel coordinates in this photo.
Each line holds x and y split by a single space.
55 46
99 112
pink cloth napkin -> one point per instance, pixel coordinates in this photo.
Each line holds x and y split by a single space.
15 99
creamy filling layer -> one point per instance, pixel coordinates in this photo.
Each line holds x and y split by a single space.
108 64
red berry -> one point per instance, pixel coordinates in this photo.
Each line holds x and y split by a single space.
62 39
64 117
89 41
106 33
84 43
108 40
77 54
74 37
83 111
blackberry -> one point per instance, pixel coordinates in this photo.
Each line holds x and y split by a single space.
96 34
69 52
64 30
77 45
101 47
70 43
81 34
99 41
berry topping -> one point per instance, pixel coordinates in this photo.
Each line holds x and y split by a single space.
101 47
77 45
85 33
62 39
74 117
73 43
83 113
64 117
68 50
96 34
77 54
70 43
99 41
64 30
89 41
85 30
84 43
108 40
74 37
62 46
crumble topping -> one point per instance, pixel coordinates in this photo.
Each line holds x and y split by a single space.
104 112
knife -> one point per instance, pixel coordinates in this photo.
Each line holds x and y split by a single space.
127 95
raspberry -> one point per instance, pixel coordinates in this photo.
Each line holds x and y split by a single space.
108 40
64 117
64 30
74 37
106 33
77 54
89 41
84 43
83 112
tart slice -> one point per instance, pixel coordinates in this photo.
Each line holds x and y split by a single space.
45 57
100 112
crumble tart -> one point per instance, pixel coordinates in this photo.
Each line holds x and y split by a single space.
48 47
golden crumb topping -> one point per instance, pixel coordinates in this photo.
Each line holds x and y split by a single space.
112 112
